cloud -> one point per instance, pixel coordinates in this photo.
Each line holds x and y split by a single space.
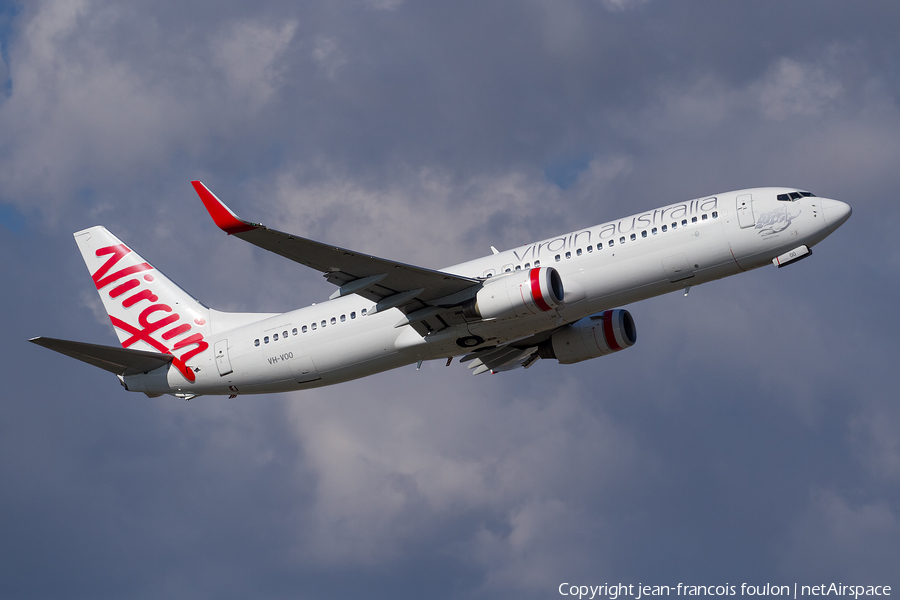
792 89
837 539
877 440
749 432
393 474
77 111
622 5
248 54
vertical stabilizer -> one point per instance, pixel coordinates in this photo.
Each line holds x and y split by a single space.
147 310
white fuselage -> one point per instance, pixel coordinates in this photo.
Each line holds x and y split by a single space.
602 267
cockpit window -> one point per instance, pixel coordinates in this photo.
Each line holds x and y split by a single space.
792 196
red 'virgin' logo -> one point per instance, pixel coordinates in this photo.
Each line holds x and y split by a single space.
155 317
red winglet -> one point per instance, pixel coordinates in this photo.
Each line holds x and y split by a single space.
221 214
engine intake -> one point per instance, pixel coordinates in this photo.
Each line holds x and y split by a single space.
518 294
590 337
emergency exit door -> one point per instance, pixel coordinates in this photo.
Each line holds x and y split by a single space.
222 361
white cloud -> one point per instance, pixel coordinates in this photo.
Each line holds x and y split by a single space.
395 469
328 55
877 440
622 5
76 111
384 4
835 536
248 53
792 89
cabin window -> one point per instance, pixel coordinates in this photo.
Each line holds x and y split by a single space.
537 263
343 318
622 240
644 233
274 337
633 237
303 329
684 222
568 255
599 245
324 323
518 267
256 342
654 231
674 225
715 214
557 258
507 268
266 340
363 312
527 265
313 326
704 218
693 219
611 243
578 252
353 315
284 334
664 228
590 248
294 331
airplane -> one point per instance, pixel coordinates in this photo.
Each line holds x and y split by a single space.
556 299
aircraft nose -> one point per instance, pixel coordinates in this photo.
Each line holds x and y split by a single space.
835 213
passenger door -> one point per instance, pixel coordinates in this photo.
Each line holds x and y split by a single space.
745 214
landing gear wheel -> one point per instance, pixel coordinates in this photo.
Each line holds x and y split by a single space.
469 341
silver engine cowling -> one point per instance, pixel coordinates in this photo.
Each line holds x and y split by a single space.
517 294
590 337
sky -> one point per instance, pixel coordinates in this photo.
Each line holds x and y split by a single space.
752 435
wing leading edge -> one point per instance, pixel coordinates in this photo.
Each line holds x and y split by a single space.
387 283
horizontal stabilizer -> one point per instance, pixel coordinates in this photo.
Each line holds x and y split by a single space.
120 361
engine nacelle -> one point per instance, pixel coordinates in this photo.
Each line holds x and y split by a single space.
518 294
597 335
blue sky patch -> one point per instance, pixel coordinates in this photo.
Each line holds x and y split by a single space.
11 218
564 172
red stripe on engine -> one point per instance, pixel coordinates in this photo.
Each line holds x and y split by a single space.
536 290
608 332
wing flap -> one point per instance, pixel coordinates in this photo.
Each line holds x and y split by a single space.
340 266
504 358
120 361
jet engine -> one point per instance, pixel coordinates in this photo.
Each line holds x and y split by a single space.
518 294
590 337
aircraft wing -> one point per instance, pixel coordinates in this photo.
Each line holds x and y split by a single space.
387 283
506 357
121 361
